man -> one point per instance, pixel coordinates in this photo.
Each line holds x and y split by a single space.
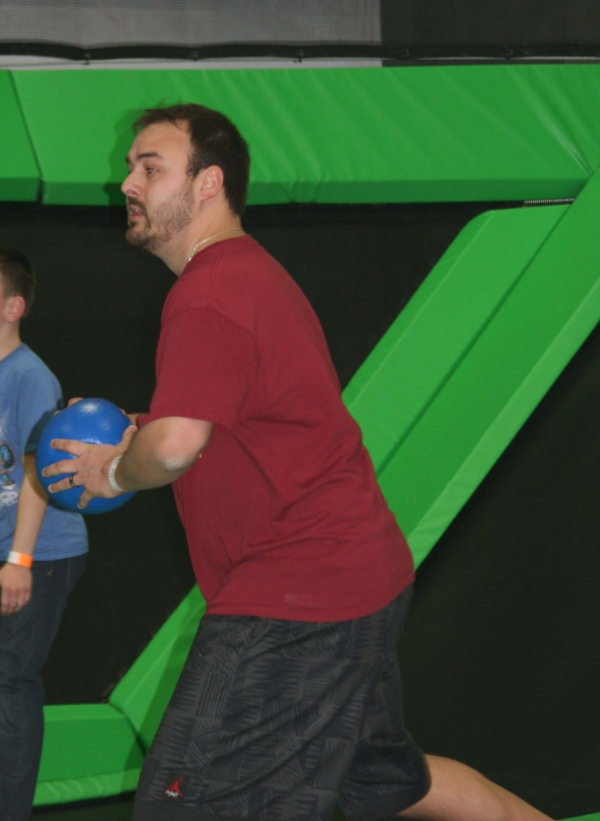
42 548
290 701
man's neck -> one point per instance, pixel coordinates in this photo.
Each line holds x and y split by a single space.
9 340
176 253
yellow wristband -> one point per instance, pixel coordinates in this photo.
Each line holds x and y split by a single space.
22 559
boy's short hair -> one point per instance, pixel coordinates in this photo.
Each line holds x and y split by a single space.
17 276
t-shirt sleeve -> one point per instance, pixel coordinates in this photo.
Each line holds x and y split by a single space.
205 366
38 399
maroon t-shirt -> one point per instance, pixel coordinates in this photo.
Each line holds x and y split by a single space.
283 515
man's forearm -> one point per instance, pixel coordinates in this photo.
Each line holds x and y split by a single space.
159 453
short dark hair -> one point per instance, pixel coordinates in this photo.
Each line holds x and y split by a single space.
215 141
17 276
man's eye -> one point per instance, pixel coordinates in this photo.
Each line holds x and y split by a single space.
151 170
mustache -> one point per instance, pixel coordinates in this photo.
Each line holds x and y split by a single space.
137 204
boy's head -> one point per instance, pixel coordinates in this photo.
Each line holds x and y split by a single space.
17 278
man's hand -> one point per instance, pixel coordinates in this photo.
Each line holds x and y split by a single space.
89 469
15 582
156 455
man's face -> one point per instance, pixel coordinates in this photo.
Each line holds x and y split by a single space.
159 191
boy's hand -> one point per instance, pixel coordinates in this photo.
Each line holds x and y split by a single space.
15 582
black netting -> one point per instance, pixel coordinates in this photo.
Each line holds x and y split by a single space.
92 24
392 29
491 27
493 21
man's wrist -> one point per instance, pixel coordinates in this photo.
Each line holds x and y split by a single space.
111 474
21 559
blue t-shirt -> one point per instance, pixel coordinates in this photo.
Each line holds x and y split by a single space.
29 396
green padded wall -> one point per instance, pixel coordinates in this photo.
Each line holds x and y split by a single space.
19 173
463 326
422 348
451 133
96 750
392 389
457 318
426 134
595 816
537 328
143 693
90 750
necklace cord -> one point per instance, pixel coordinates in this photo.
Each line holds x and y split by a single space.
214 236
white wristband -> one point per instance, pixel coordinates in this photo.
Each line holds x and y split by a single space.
111 475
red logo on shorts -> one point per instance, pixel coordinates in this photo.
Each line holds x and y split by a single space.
175 788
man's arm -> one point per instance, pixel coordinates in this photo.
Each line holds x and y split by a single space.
161 452
15 580
151 457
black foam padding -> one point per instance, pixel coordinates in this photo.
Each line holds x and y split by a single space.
501 657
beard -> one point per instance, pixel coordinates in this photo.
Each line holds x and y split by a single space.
169 218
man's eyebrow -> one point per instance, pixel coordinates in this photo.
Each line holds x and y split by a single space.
144 156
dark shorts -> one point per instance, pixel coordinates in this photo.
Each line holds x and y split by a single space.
282 721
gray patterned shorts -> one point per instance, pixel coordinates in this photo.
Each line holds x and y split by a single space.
283 720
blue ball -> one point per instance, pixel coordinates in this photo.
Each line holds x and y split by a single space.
96 421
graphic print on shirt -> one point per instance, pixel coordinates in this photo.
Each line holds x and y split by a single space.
8 493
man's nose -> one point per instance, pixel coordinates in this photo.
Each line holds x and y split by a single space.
129 187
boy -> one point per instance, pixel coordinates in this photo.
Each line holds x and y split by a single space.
42 548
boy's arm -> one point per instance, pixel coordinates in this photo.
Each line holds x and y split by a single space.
15 580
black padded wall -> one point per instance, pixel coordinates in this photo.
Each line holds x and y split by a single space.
501 657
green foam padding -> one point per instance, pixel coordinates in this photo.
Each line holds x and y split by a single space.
393 388
143 693
410 134
96 750
542 322
405 383
90 751
595 816
418 353
426 134
390 391
19 173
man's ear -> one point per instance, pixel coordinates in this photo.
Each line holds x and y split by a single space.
209 182
14 309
